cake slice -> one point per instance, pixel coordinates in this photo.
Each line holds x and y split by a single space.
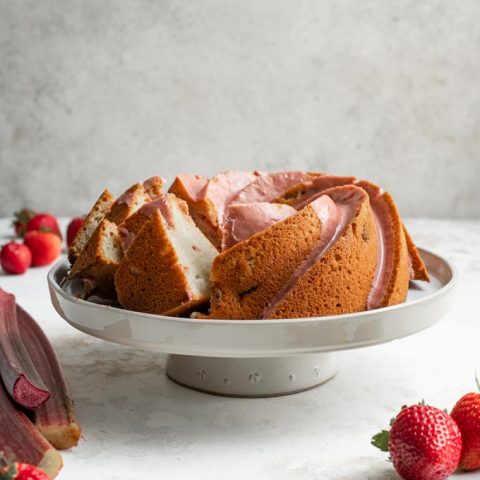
128 203
91 222
133 224
99 259
418 270
337 275
153 186
302 194
166 268
208 198
247 277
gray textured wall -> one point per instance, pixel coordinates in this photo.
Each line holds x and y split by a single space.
104 93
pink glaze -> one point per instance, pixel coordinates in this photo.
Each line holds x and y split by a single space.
269 186
160 203
223 187
316 187
194 185
244 220
336 209
385 242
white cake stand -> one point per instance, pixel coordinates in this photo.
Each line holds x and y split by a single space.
256 358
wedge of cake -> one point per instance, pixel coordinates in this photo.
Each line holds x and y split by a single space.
102 252
248 276
91 222
99 260
166 268
337 275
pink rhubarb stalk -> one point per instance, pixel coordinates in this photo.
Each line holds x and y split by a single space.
19 437
55 419
17 370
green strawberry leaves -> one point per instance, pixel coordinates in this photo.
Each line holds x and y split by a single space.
380 440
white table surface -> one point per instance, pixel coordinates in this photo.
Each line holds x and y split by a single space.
138 424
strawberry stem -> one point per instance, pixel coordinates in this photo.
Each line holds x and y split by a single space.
380 440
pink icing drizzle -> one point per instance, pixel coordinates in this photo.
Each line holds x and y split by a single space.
318 185
335 211
223 187
244 220
160 203
269 186
194 185
385 239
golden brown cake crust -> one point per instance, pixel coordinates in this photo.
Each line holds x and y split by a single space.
150 277
247 276
400 278
93 263
127 203
91 222
153 186
419 269
341 280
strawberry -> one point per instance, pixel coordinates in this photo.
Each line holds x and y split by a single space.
73 228
21 219
466 413
15 258
19 471
22 471
43 222
45 247
424 443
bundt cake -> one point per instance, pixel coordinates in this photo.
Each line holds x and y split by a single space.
249 245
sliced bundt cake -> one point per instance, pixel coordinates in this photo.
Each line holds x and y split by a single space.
300 195
248 276
166 268
251 278
99 257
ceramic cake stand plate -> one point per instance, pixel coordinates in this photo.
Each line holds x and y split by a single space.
257 357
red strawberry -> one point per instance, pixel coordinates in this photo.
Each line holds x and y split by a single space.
15 257
22 471
43 222
467 415
72 229
424 443
21 219
45 247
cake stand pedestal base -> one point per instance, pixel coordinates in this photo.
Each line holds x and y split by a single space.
252 377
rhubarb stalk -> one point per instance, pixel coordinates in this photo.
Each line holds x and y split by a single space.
55 419
18 373
19 437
